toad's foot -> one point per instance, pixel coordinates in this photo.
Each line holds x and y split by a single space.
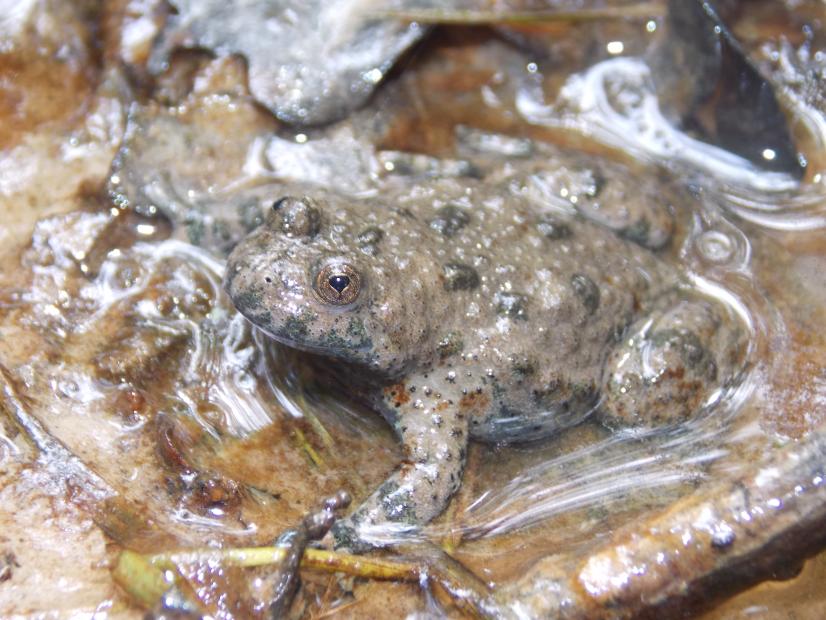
312 527
671 362
432 422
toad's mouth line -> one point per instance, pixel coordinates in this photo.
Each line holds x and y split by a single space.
323 350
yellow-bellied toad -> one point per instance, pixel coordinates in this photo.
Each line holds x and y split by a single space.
464 309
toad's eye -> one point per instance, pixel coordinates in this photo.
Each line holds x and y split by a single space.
338 284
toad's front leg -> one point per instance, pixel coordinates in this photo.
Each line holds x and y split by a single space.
432 423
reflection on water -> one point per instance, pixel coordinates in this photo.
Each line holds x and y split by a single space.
614 102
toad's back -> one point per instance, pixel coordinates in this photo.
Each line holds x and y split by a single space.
522 305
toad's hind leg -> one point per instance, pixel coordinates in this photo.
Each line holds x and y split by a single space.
671 362
433 429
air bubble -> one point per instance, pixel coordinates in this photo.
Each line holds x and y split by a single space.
715 246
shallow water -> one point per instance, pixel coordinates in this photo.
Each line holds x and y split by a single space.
119 340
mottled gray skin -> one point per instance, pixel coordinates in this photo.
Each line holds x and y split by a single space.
481 315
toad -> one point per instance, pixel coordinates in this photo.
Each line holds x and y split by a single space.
468 309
